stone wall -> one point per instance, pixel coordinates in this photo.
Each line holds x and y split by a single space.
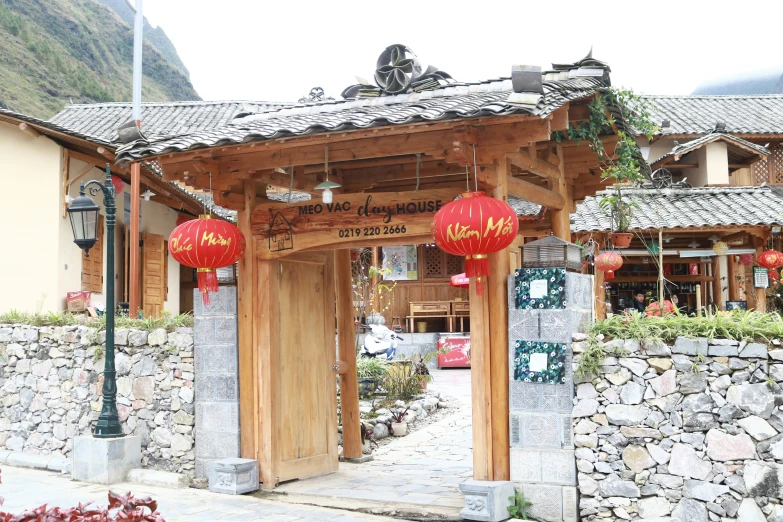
51 384
689 432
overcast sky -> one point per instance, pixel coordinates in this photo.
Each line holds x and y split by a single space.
277 51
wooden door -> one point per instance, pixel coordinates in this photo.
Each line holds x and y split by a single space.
305 397
153 276
92 263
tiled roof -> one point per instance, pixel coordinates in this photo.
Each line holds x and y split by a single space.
747 148
523 207
757 114
159 120
489 98
47 125
686 208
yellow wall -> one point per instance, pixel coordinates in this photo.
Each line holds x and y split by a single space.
29 207
160 219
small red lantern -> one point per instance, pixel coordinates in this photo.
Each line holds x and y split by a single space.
182 218
608 261
474 226
119 185
746 259
206 244
773 274
771 259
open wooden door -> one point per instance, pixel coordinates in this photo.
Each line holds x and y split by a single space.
153 276
304 393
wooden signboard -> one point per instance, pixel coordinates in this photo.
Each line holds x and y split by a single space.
350 220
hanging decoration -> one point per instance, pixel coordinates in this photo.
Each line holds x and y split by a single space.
653 248
473 226
746 259
206 244
720 248
773 275
119 185
608 262
771 259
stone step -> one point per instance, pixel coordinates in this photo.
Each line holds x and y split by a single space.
163 479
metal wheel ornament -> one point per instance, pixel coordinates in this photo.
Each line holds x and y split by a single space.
396 68
662 178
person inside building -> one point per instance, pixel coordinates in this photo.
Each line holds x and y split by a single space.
638 301
681 307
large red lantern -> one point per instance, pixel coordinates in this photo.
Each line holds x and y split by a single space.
206 244
608 262
474 226
771 259
773 274
746 259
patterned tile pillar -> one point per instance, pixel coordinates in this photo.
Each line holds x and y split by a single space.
546 307
217 378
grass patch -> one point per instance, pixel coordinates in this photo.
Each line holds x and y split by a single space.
167 321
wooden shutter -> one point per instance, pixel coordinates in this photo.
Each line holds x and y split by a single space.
153 278
166 270
92 266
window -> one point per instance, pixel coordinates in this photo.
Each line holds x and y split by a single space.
439 264
92 266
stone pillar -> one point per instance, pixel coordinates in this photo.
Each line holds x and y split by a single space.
546 307
217 378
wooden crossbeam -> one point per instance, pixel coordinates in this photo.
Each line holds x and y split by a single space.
525 161
535 194
29 130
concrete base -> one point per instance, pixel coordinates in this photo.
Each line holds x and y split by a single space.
105 461
487 500
163 479
233 476
360 460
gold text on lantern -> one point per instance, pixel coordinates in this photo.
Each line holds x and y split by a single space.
176 247
460 232
504 227
209 239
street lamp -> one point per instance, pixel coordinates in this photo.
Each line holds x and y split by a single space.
84 221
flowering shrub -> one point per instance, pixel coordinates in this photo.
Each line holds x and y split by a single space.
125 508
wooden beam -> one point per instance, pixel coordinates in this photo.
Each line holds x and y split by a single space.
731 266
578 113
346 346
761 293
133 241
717 284
105 153
525 161
266 340
535 194
248 365
24 127
733 237
599 299
481 390
561 218
66 173
497 297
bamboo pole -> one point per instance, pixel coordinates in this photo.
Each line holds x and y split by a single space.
698 300
660 270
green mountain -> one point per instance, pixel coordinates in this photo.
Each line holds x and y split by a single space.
60 51
771 83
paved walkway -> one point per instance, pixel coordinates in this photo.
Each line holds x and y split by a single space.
26 489
425 467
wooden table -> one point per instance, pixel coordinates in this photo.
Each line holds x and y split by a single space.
449 310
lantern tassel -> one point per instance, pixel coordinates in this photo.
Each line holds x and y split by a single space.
207 282
480 286
477 266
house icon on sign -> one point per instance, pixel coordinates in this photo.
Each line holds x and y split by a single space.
281 234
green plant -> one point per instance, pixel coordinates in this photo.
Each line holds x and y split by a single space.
398 414
370 289
594 354
370 368
519 509
98 352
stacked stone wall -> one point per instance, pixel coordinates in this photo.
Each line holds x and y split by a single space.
690 431
51 382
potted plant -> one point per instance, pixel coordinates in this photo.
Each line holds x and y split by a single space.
621 212
419 369
399 427
370 371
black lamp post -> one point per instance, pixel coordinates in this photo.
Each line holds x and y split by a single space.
84 221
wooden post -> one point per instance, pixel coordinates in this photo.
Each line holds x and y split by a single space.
561 219
660 272
598 287
376 296
698 299
133 241
248 352
717 289
346 349
265 332
481 392
761 293
731 266
497 297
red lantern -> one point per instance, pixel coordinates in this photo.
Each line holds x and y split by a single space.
475 226
771 259
608 261
608 275
746 259
182 218
119 185
773 274
206 244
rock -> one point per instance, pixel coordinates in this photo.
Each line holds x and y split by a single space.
721 383
777 510
660 364
695 440
700 422
665 384
775 354
631 432
754 350
585 408
692 383
653 507
586 391
137 338
757 399
144 388
157 337
730 411
180 417
186 394
614 486
626 415
637 366
632 393
586 441
587 485
750 512
690 510
660 455
776 450
122 363
162 436
686 463
690 346
666 404
655 348
722 351
763 479
706 491
697 403
380 431
757 427
145 366
666 481
124 386
619 378
637 458
121 337
179 442
585 427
